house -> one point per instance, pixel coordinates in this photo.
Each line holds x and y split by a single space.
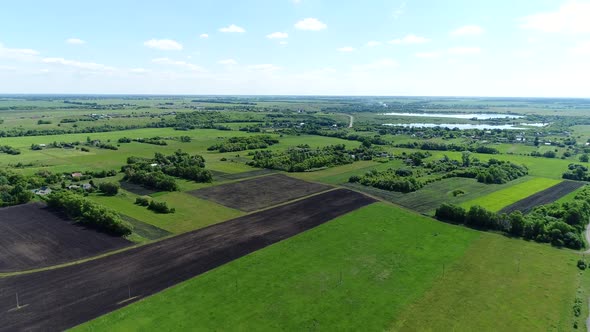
76 175
86 186
73 186
153 165
43 191
42 145
520 138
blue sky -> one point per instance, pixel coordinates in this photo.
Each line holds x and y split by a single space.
305 47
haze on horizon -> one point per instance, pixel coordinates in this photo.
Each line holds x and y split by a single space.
297 47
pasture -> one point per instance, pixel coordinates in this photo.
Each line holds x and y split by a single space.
543 197
512 194
376 268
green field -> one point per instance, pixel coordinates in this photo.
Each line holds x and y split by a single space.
374 269
427 199
502 198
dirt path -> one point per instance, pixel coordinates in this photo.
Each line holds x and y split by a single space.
55 300
588 240
351 121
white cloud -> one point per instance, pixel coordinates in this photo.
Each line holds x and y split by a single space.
399 11
164 44
203 36
227 62
374 43
428 55
22 54
267 67
77 64
310 24
572 18
409 39
346 49
75 41
277 35
384 63
178 63
464 50
232 28
582 48
283 42
468 30
139 70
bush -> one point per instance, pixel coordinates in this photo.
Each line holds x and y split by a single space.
582 265
458 192
160 207
451 212
109 188
143 201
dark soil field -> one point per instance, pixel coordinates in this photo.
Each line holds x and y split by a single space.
255 194
32 236
136 189
61 298
546 196
245 175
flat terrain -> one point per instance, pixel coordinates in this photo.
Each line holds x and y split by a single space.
32 236
546 196
61 298
258 193
512 194
431 196
374 269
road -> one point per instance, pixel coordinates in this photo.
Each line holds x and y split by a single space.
351 121
588 239
55 300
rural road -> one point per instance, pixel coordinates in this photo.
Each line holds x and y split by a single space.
351 121
55 300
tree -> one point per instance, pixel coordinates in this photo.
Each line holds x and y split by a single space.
109 188
584 158
466 157
537 141
516 223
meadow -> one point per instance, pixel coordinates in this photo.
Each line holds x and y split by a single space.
376 268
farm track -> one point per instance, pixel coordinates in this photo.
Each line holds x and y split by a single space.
61 298
546 196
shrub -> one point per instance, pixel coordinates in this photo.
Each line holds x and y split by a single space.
451 212
160 207
458 192
109 188
581 264
143 201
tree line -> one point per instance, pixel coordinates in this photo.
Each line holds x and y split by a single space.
561 224
234 144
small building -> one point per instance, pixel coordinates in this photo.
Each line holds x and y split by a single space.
73 186
76 175
86 186
43 191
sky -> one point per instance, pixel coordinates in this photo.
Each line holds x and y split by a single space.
514 48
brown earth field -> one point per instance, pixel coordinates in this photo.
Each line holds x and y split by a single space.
546 196
33 236
258 193
245 175
57 299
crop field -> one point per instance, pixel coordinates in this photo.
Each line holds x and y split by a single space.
255 194
427 199
376 268
546 196
502 198
102 285
32 236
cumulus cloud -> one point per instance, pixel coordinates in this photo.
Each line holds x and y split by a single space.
203 36
582 48
277 35
22 54
374 43
163 44
468 30
227 62
428 55
77 64
232 28
178 63
75 41
267 67
310 24
464 50
409 39
571 18
346 49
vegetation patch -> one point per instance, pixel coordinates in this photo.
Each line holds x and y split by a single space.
233 144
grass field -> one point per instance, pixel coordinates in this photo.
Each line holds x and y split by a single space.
502 198
373 269
191 212
427 199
